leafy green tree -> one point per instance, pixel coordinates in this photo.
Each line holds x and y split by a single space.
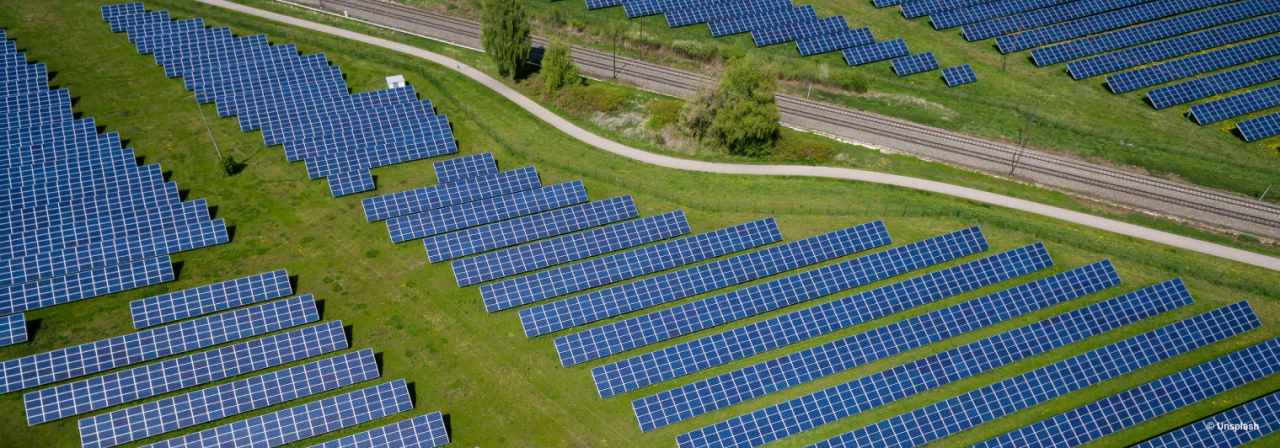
558 70
228 165
504 33
746 119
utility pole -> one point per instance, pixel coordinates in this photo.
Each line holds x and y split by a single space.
615 32
1264 192
1024 136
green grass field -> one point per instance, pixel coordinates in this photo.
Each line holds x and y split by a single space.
498 388
1075 117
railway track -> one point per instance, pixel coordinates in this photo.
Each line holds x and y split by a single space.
1159 196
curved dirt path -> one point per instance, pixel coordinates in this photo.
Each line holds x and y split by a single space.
589 138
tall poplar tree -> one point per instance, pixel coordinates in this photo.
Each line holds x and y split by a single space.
504 33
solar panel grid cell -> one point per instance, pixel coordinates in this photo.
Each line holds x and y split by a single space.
1178 46
959 75
721 348
568 248
721 9
764 37
1259 128
1193 65
841 401
465 167
1037 18
748 22
622 266
661 325
1235 105
1214 84
449 194
85 284
529 228
1206 433
471 214
878 51
212 298
916 63
13 329
424 431
601 304
834 41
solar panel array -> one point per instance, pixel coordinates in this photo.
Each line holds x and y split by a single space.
13 329
447 194
744 23
226 400
834 41
207 299
1236 105
1100 23
915 63
466 167
841 401
1209 432
987 11
658 326
1041 17
709 11
299 101
85 284
597 4
758 337
1260 128
1148 401
878 51
1178 46
920 8
764 37
528 228
1193 65
959 75
471 214
424 431
1214 84
846 353
956 414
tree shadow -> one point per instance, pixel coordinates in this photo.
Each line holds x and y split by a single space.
33 326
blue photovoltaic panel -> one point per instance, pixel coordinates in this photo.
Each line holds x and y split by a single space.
149 30
226 400
939 420
181 37
302 421
51 215
742 24
1148 401
605 303
1100 23
1193 65
140 222
130 21
597 4
206 299
878 51
573 247
661 325
959 75
93 256
721 9
920 8
1153 31
893 384
179 373
618 267
133 348
987 11
1214 84
1236 105
785 33
13 329
834 41
425 431
1260 128
85 284
846 353
471 214
350 182
529 228
915 63
111 12
1178 46
56 188
448 194
641 8
241 49
289 87
329 115
724 347
1041 17
1209 433
433 138
465 167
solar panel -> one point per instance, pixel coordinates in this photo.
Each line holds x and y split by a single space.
1212 432
598 4
133 348
844 400
959 75
1148 401
744 23
529 228
286 99
1214 84
204 48
916 63
434 138
226 400
449 194
350 182
85 284
1155 31
758 337
143 222
834 41
1100 23
1235 105
1259 128
131 21
1032 19
846 353
150 29
621 299
878 51
91 208
764 37
303 421
84 184
331 114
156 379
987 11
241 48
13 329
70 148
424 431
939 420
721 9
226 61
111 12
93 256
206 299
641 8
568 248
1193 65
284 88
182 37
465 167
1178 46
471 214
661 325
920 8
622 266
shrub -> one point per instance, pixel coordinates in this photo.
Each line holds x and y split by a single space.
577 25
693 49
855 81
747 117
554 18
792 147
228 165
662 113
504 33
593 98
558 70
